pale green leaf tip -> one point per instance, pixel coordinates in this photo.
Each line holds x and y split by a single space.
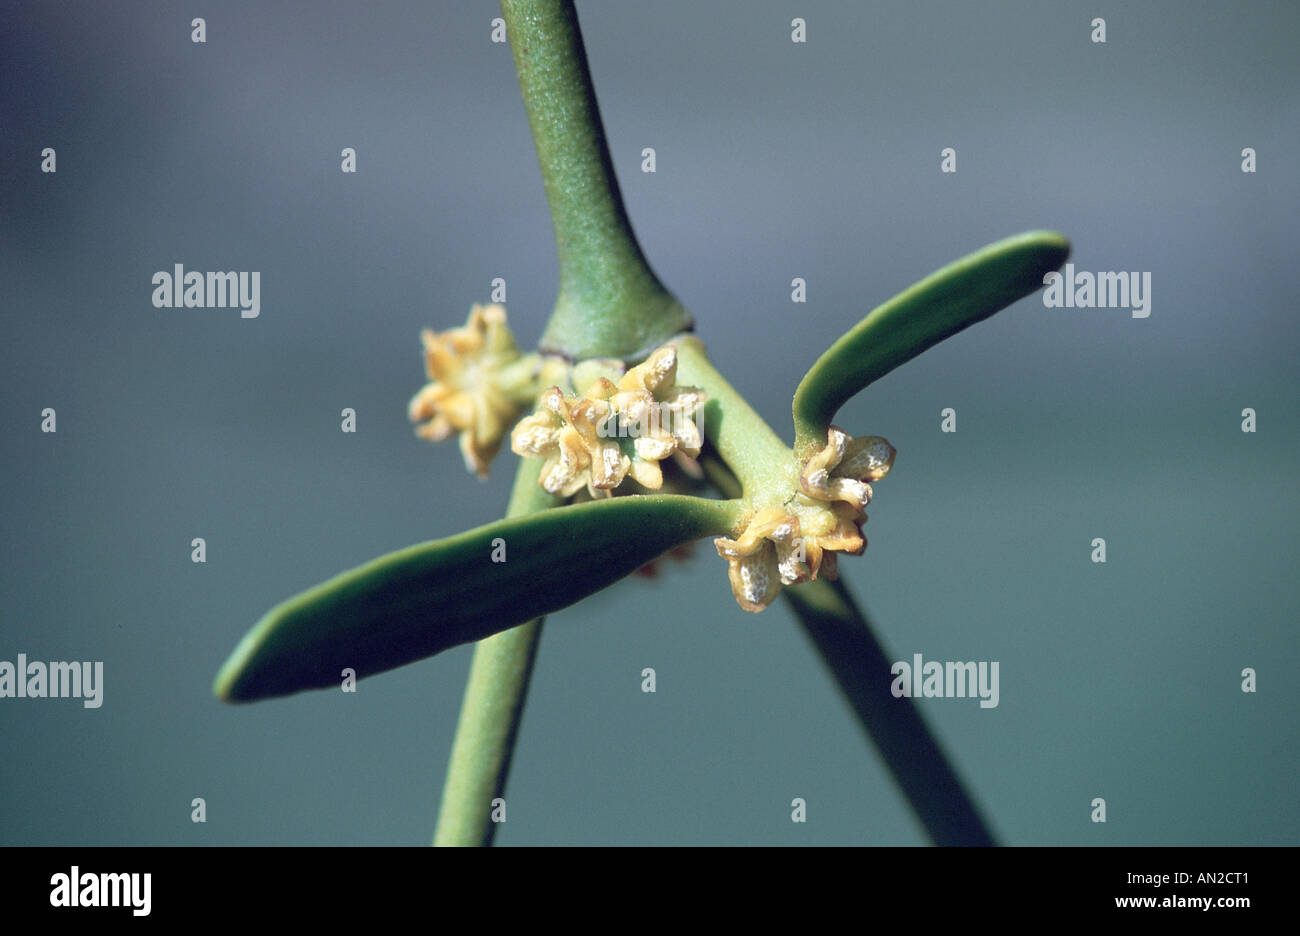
230 684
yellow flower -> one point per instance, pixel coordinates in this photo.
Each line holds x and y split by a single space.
563 432
801 539
841 470
479 384
579 436
763 558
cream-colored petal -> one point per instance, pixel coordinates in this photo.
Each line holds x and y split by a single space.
476 457
436 429
658 370
534 435
423 404
868 458
609 466
688 436
847 490
790 552
815 475
654 447
647 474
755 579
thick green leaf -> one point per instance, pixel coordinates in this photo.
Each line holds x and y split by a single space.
942 304
422 600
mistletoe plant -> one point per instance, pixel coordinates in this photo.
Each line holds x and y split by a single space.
635 445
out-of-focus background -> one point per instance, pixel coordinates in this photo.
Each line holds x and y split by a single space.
774 160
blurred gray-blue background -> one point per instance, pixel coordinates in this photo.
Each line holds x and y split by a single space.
774 160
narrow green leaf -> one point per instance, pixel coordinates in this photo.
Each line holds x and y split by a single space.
422 600
942 304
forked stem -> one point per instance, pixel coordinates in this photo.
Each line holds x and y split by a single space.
611 305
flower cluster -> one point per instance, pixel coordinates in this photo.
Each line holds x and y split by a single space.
800 539
479 385
613 430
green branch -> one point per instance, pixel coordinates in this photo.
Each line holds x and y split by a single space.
843 636
610 303
752 451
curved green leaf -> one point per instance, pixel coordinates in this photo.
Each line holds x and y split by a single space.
424 599
942 304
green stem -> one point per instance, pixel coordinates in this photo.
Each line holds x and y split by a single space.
754 453
610 303
843 636
492 707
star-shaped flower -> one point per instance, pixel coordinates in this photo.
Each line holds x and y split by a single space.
580 436
479 384
800 540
